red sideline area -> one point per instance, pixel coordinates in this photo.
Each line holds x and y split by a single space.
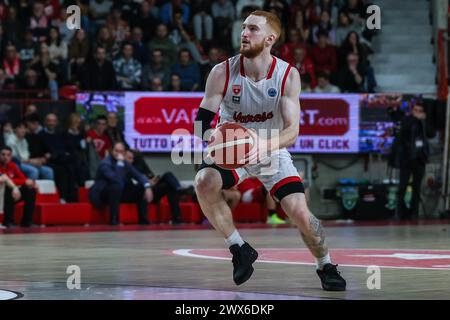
49 212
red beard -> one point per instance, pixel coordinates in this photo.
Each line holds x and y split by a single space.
253 51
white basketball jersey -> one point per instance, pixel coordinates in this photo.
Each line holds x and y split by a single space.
253 104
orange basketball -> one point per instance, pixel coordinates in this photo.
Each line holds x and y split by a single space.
229 144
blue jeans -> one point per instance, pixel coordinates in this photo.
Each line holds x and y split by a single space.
34 173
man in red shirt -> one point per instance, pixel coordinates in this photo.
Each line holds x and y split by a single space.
99 138
324 54
18 188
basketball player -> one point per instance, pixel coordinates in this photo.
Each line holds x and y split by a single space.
259 91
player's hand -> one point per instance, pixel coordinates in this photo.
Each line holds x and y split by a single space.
259 151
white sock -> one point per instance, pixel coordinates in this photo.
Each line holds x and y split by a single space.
320 262
234 238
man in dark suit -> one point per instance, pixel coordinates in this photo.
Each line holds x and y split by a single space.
117 181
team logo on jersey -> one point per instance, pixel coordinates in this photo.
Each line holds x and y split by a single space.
236 89
272 92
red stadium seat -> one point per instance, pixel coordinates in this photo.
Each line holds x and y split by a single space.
83 194
62 214
191 212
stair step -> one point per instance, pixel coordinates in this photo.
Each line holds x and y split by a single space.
407 89
394 78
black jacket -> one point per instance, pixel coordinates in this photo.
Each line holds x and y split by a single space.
413 139
96 77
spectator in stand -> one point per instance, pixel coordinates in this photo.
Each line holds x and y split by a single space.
105 40
352 44
168 9
175 83
28 50
306 84
36 145
147 19
24 12
59 159
113 185
61 23
98 11
331 7
58 51
129 9
33 168
13 29
165 185
352 74
120 29
294 41
162 42
99 137
99 73
11 63
323 84
214 58
39 22
236 28
19 188
223 13
323 54
31 82
188 71
140 49
203 23
51 8
48 72
156 69
156 85
304 65
3 80
256 4
325 25
74 139
128 70
282 7
29 109
78 52
355 10
345 26
305 11
113 131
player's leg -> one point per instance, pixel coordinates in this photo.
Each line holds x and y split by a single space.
209 182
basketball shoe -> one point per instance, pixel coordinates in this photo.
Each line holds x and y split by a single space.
331 278
243 258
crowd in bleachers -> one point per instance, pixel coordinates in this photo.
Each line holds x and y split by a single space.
171 45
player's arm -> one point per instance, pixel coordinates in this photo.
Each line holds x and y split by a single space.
290 111
211 101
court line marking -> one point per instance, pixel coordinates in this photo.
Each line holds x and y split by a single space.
187 253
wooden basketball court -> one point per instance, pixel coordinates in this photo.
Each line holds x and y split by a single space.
151 263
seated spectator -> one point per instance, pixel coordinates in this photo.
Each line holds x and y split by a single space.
355 10
74 139
19 188
167 10
147 19
57 49
156 69
128 70
156 85
59 159
188 71
306 84
99 10
120 28
331 7
114 184
28 50
99 137
351 76
51 8
223 13
33 83
11 63
48 72
252 190
13 28
106 41
214 58
203 23
175 83
140 52
99 73
61 23
256 4
345 26
165 185
7 131
114 133
304 65
324 85
33 168
325 25
39 22
29 109
323 54
162 42
294 41
280 6
352 44
78 52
